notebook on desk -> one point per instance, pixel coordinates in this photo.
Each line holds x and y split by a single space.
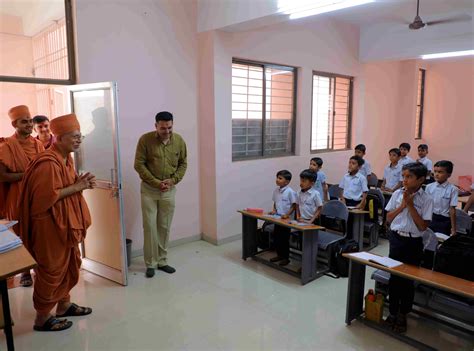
381 260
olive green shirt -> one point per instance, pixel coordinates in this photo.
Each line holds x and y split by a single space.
156 161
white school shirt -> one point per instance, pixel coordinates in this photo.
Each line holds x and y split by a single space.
404 160
427 162
444 197
309 202
366 168
318 185
354 186
283 199
404 222
392 175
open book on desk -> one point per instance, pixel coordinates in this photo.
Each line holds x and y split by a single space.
381 260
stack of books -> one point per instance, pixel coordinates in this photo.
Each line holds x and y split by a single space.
8 239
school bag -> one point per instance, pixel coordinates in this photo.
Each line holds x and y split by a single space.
455 256
340 264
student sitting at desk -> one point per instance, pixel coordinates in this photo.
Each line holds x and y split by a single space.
320 185
445 199
409 213
354 185
393 172
307 210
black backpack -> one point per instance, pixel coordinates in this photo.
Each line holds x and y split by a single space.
340 264
455 256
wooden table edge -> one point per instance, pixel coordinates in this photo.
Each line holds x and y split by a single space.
410 276
280 222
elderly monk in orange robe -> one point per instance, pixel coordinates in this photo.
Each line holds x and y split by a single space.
15 154
55 218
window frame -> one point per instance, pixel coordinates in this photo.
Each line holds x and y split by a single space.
349 116
419 135
265 65
71 57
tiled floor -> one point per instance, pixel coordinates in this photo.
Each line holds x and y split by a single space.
215 301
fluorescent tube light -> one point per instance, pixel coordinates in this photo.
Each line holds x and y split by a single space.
311 8
448 54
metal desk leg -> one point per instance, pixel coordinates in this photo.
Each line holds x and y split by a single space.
355 291
358 229
309 261
6 315
249 237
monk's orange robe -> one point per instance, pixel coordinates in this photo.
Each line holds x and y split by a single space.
15 154
51 229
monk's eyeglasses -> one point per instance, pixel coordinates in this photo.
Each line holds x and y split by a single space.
78 137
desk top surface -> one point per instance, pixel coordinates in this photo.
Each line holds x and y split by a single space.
463 199
15 261
282 222
357 211
436 279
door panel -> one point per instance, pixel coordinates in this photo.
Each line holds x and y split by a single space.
104 249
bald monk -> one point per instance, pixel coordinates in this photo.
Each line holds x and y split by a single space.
55 218
15 154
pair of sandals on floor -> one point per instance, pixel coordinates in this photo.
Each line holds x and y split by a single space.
56 324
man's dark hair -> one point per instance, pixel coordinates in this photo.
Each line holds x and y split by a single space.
285 174
395 151
360 160
360 147
405 146
40 119
309 174
423 147
447 165
163 116
318 161
416 168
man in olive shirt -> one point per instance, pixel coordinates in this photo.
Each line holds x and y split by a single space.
161 162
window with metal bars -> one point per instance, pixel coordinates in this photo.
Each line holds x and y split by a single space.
263 110
420 98
331 112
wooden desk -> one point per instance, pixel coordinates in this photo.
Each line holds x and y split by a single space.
309 263
11 263
358 221
463 200
355 290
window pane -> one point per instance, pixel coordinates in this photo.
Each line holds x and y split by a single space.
33 39
331 112
279 111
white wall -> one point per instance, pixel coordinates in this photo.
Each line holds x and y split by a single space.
150 49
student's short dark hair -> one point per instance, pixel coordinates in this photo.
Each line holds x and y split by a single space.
360 147
164 116
285 174
40 119
360 160
309 174
448 165
423 147
418 169
318 161
395 151
405 146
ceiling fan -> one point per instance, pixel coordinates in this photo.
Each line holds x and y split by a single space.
418 22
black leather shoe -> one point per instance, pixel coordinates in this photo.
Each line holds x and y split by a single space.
150 273
276 259
167 269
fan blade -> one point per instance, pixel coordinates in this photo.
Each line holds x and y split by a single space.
463 18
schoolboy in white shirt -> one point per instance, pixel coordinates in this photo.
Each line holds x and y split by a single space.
320 185
366 168
445 199
422 158
404 150
409 213
393 172
354 184
284 198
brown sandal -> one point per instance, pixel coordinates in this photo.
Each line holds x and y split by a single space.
53 324
75 311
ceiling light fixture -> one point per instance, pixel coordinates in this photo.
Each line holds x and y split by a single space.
304 8
448 54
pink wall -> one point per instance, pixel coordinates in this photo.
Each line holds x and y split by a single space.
16 58
448 126
150 49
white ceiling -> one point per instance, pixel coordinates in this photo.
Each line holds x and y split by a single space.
35 14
